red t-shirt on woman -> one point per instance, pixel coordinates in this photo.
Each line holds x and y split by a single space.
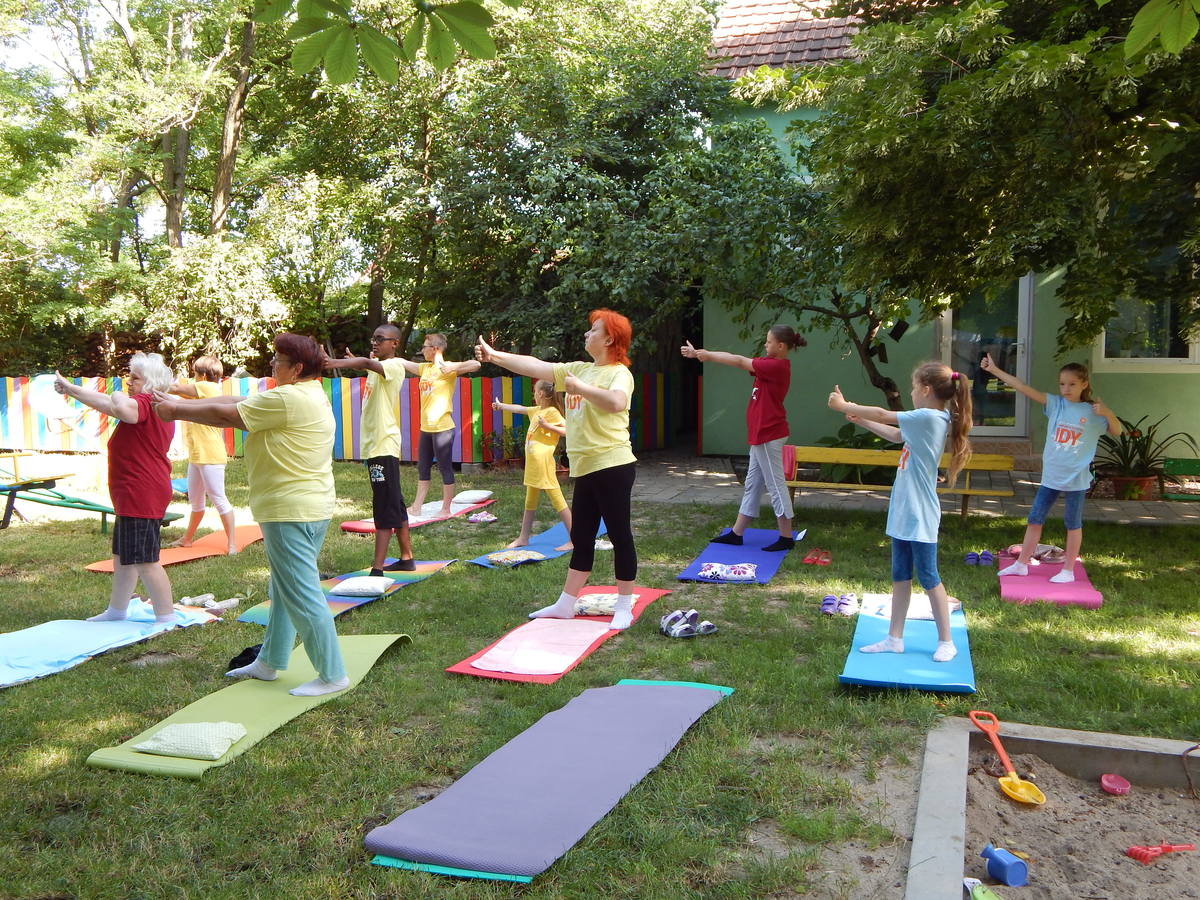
766 419
139 473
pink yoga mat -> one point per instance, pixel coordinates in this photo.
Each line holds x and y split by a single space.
367 526
1037 586
540 642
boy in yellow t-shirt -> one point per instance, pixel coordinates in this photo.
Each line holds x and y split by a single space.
381 444
437 422
206 454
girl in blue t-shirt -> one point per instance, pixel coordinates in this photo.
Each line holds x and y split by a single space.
941 407
1077 419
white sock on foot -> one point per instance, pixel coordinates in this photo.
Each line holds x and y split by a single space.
1063 577
256 669
319 686
945 651
161 620
622 612
562 608
109 615
888 645
1017 568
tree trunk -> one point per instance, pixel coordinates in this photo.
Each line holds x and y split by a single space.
862 346
175 146
375 298
231 131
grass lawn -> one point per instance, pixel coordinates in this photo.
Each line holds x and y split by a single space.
287 818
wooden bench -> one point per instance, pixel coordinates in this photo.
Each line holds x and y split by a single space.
42 490
985 474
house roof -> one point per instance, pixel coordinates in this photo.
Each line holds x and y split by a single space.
753 33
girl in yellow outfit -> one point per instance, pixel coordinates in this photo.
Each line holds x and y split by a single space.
206 454
546 426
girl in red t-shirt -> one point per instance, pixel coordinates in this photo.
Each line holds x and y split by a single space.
766 430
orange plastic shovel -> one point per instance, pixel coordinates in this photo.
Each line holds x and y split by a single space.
1017 788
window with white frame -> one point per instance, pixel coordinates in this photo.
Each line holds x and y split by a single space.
1146 337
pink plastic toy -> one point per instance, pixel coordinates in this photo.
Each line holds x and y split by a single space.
1147 855
1114 784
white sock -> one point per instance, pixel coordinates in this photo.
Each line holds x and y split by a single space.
945 651
169 617
256 669
109 615
1017 568
562 608
1063 577
622 612
319 686
888 645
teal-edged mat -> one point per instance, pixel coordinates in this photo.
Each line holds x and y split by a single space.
260 706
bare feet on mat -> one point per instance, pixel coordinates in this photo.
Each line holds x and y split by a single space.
567 546
519 542
180 542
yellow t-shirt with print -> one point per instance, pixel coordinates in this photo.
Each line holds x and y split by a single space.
205 443
437 399
596 439
540 444
289 453
381 410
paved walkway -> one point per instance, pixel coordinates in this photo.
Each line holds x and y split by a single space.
672 476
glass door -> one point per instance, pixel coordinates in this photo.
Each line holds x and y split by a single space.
1000 328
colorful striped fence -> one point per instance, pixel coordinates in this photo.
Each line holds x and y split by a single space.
652 420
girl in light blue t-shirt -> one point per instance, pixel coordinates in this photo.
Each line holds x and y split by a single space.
1077 419
941 406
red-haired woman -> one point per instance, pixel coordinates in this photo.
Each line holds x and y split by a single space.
599 395
289 469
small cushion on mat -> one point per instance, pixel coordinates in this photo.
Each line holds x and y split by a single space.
728 572
595 604
193 740
362 586
472 496
512 557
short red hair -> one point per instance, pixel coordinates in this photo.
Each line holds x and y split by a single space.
619 331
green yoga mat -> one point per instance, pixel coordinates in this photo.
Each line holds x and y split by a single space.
260 706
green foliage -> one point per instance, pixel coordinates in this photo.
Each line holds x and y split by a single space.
1140 451
852 437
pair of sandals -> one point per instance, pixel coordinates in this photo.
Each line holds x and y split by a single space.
982 558
483 517
684 624
845 605
1042 553
818 557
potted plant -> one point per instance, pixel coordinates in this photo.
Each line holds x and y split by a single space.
1133 461
506 447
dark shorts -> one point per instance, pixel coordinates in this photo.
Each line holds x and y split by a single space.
136 541
387 500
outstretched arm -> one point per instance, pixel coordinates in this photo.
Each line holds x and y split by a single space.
466 367
560 429
717 356
184 389
988 365
607 399
217 411
509 407
118 404
352 362
514 362
838 403
887 432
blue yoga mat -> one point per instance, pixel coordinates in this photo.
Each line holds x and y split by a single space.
914 668
751 551
179 486
64 643
527 804
543 542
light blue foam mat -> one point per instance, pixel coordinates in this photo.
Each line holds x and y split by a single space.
914 668
543 542
521 808
65 643
179 486
750 551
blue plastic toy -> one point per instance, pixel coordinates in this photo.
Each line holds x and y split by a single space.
1004 867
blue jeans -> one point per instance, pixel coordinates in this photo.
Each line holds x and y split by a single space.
1072 514
907 555
297 601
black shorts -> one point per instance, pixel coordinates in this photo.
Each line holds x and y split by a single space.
387 500
136 541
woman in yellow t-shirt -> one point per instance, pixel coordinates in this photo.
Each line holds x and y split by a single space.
546 426
436 388
599 395
206 454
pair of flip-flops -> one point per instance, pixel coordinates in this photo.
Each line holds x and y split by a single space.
982 558
684 624
483 517
1042 553
818 557
845 605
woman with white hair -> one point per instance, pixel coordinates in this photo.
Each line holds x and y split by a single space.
139 482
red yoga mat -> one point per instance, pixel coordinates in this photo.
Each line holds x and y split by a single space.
1037 586
643 597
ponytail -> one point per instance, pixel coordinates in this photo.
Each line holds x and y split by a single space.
951 388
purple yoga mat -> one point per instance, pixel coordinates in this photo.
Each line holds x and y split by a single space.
527 803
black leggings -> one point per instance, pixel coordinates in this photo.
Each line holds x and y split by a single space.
441 445
604 494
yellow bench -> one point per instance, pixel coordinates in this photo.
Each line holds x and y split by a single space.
985 475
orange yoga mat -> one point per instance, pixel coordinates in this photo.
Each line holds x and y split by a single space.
212 544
